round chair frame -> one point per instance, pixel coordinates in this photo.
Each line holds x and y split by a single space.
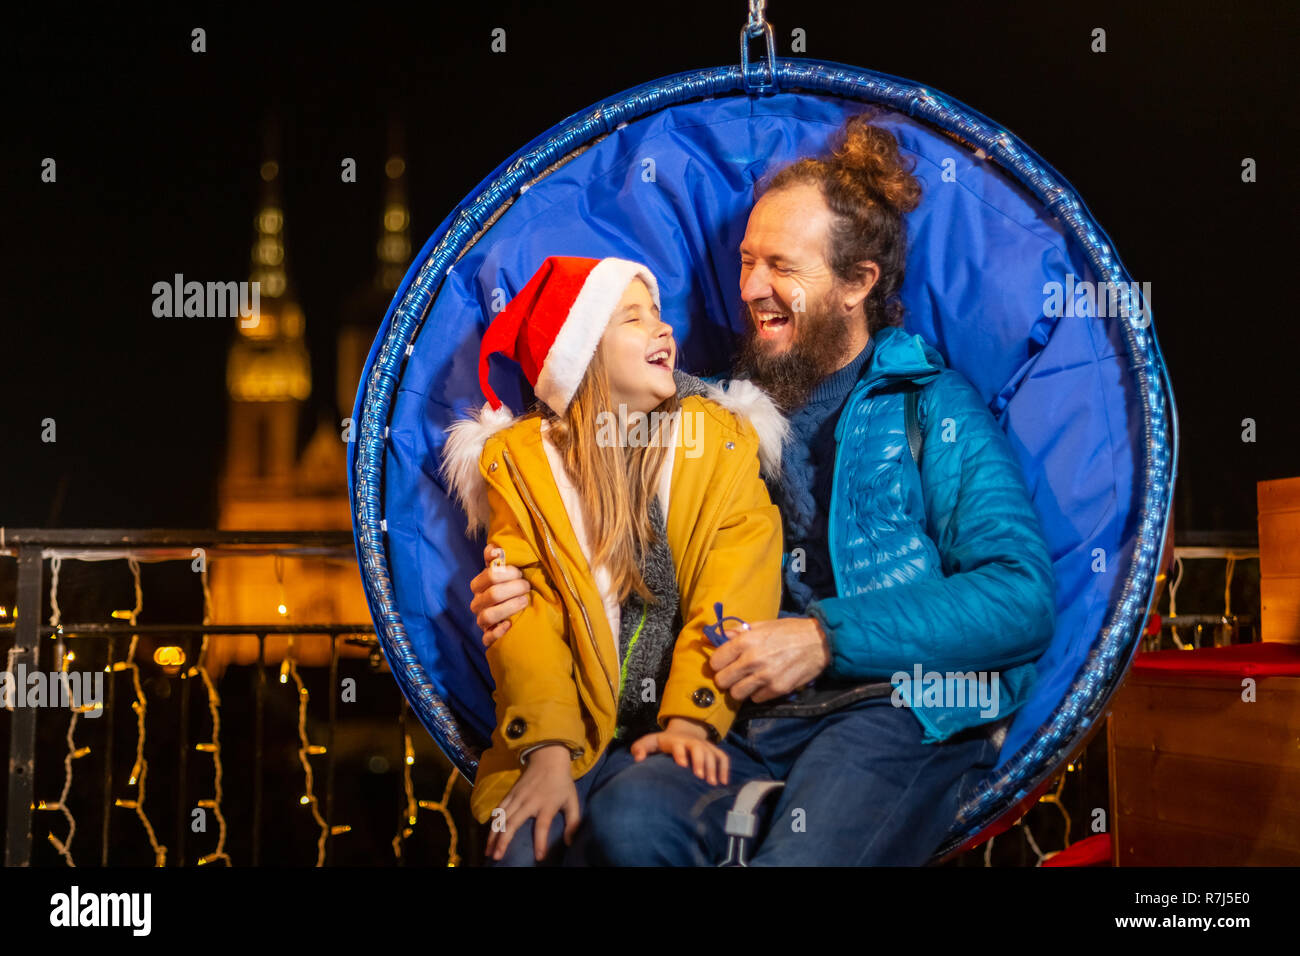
1064 731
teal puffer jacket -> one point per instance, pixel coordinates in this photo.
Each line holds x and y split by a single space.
944 584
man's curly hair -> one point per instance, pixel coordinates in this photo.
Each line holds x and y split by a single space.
868 187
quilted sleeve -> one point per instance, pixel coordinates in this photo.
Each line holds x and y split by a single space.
995 606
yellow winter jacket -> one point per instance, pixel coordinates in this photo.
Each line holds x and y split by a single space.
556 672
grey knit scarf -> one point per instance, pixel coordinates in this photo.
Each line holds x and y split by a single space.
647 635
648 631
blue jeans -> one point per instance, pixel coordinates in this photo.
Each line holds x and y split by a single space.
860 789
521 852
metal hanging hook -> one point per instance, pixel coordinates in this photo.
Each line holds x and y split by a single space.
757 24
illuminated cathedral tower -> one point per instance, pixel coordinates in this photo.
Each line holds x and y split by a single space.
268 370
272 480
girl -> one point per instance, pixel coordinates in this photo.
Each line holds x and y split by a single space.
632 508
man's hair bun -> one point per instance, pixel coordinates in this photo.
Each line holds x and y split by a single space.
868 188
870 155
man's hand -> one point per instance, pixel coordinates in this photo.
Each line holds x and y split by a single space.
771 659
688 743
499 593
545 789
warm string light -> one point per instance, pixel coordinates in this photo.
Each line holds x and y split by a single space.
1173 601
214 748
282 608
64 846
404 830
56 614
412 805
1029 837
453 858
288 669
139 705
1033 844
306 749
1227 586
1054 798
11 691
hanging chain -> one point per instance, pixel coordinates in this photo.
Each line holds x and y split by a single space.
755 26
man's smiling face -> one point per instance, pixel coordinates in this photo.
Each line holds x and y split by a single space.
803 322
783 270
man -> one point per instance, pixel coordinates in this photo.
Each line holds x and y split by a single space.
917 587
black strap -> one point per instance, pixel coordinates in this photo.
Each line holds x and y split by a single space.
817 701
912 422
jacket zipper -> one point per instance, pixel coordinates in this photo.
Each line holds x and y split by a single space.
564 571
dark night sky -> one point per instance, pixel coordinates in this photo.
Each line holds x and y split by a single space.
158 152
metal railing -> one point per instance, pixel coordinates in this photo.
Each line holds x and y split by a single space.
32 547
1221 628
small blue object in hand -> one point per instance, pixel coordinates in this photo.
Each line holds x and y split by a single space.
715 632
717 635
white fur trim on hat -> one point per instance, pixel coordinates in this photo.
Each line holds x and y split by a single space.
745 399
576 342
460 460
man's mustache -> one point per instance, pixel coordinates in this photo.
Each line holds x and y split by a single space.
766 305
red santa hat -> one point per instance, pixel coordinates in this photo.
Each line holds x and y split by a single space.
552 327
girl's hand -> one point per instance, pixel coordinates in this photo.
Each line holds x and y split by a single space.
687 741
546 788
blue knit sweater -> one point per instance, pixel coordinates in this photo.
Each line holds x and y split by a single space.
803 493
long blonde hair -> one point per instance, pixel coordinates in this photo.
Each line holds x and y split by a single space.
615 482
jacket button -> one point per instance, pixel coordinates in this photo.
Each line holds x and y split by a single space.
492 467
731 444
703 697
515 729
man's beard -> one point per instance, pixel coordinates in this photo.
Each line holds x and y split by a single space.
820 341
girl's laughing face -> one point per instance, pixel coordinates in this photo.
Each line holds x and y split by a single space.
638 351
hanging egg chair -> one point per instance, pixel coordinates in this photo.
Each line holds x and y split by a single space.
664 174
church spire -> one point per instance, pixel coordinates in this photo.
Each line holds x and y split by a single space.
268 369
268 265
268 361
393 252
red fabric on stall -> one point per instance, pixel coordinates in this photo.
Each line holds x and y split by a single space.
1094 851
1265 659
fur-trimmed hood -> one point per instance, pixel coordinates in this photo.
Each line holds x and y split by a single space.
746 400
467 437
